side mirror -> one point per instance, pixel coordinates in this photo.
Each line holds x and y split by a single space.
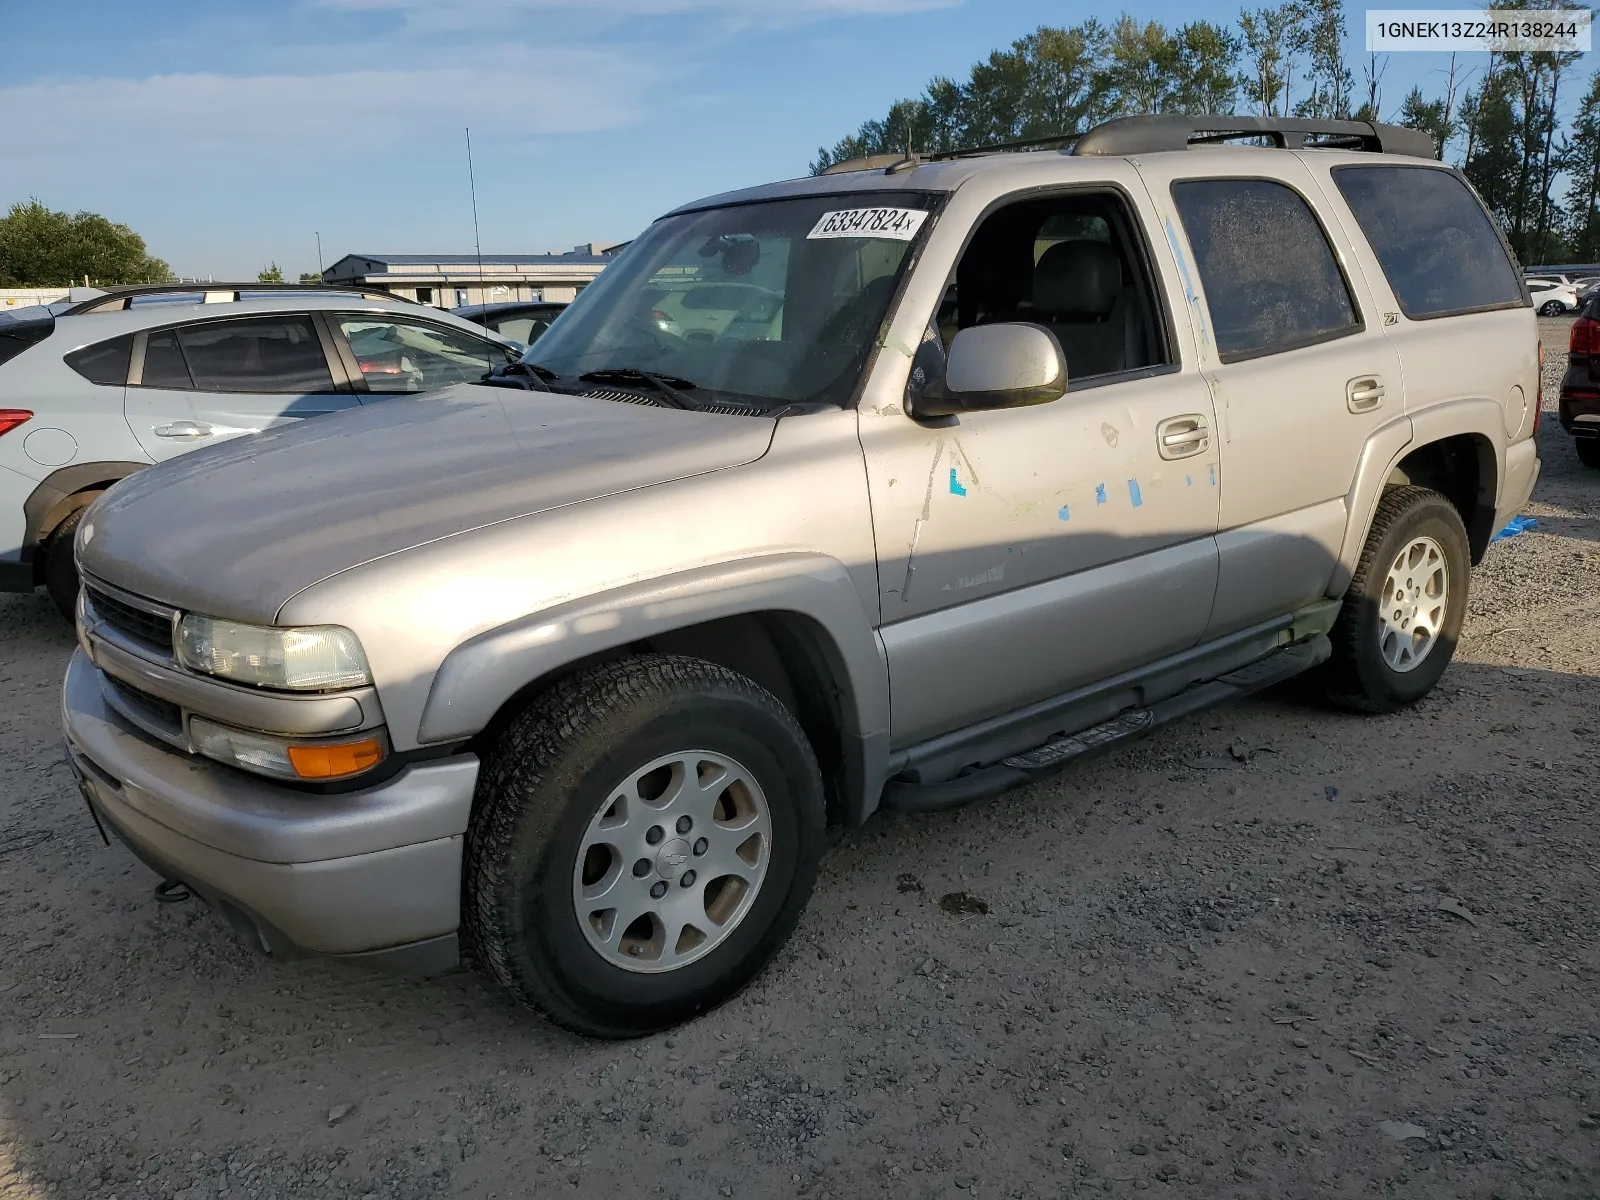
1011 365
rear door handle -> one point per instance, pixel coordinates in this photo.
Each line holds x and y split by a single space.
1183 437
183 431
1363 395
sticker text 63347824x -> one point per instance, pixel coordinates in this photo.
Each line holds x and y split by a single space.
898 224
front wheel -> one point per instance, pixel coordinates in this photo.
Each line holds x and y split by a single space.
644 839
1404 607
1552 308
61 569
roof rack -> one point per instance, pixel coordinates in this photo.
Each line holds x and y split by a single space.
1152 135
121 297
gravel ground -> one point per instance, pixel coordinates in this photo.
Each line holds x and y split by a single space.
1276 951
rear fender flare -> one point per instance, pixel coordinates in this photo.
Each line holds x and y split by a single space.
61 493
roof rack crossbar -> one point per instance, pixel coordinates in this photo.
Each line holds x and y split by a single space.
1173 131
120 297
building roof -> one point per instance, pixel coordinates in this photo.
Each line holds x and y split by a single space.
472 260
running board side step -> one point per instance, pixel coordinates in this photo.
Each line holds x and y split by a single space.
1125 727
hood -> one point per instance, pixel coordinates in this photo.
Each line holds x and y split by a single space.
236 529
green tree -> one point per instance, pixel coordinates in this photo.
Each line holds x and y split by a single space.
1322 37
1269 56
1206 56
269 274
310 277
1141 70
1580 160
43 248
1430 116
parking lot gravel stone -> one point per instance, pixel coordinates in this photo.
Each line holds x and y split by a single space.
1275 951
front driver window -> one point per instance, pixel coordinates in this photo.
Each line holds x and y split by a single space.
409 356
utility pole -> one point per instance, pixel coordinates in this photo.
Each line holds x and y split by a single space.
319 252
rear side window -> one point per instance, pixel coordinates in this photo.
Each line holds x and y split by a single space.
258 354
1270 277
1438 248
104 362
163 363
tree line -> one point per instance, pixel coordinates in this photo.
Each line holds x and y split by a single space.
1496 116
43 248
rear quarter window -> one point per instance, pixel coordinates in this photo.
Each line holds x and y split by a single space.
104 362
1437 246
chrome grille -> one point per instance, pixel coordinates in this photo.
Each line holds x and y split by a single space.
144 628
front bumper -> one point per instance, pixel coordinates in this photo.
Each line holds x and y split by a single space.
373 873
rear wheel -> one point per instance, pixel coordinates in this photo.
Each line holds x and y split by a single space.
60 570
1403 609
644 839
1588 451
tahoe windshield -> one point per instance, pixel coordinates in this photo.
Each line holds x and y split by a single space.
776 302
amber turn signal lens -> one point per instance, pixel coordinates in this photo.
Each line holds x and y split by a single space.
335 762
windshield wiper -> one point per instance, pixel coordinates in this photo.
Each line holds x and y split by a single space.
539 378
667 386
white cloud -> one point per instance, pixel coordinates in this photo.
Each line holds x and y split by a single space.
381 122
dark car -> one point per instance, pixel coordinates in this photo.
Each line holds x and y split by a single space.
520 320
1579 408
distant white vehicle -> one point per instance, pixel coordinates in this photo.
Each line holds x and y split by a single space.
1552 296
101 384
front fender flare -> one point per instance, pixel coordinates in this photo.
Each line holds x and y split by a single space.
479 676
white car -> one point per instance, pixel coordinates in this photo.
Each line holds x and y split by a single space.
1551 296
95 387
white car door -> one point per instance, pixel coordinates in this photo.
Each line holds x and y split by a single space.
205 381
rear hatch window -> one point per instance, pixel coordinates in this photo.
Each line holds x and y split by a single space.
19 331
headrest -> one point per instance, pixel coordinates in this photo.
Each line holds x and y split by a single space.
1079 277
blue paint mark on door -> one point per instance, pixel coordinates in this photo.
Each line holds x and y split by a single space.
1188 481
1213 477
1064 513
1099 493
955 484
1133 493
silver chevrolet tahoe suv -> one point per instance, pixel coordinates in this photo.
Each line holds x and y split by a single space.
892 487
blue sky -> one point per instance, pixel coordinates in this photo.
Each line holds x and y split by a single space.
228 134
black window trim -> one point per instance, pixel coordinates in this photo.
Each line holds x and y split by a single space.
352 366
336 372
1138 239
1505 245
1229 357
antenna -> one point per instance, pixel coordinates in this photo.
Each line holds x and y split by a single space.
477 242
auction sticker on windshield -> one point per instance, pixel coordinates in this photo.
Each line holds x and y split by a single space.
899 224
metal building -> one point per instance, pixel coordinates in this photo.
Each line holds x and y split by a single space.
451 280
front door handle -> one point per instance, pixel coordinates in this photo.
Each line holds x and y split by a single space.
1183 437
183 431
1363 395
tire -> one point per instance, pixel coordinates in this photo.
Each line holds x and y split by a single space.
1552 308
60 570
1588 451
544 795
1362 674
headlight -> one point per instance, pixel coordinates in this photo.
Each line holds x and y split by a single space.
312 659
